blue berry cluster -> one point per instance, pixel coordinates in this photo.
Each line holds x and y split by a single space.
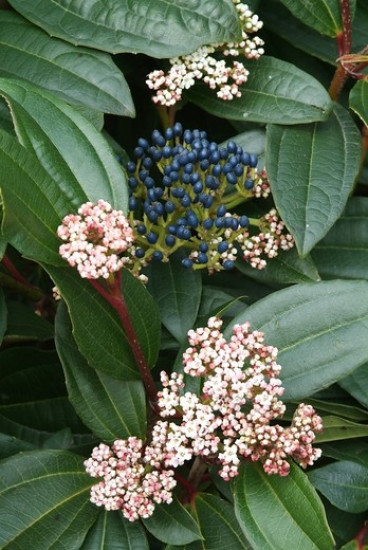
182 188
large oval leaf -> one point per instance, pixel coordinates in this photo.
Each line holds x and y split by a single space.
357 384
324 17
44 501
276 92
343 252
280 512
80 76
157 28
344 484
113 532
111 408
69 147
312 171
319 329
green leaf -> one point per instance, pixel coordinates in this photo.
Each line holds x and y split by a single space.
74 153
311 191
102 339
358 100
217 522
279 20
357 384
349 412
324 17
3 315
295 516
23 323
344 484
79 76
335 428
173 524
33 204
177 293
112 532
276 92
357 451
158 29
44 501
343 252
111 408
287 268
319 330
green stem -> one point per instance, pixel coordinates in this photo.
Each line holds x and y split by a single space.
26 290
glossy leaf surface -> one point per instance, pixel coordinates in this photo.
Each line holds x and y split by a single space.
319 330
276 92
111 408
312 171
79 76
112 532
156 28
295 516
44 492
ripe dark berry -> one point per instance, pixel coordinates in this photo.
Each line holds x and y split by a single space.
202 258
186 262
221 211
133 203
249 184
203 247
253 160
169 207
152 237
228 264
170 240
142 229
208 223
223 246
131 166
243 221
139 253
157 255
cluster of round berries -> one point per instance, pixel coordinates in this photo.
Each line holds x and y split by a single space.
232 419
182 187
95 238
201 65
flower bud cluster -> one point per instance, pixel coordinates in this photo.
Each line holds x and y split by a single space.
182 188
201 65
233 419
94 239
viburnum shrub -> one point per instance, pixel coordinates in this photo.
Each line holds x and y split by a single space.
184 300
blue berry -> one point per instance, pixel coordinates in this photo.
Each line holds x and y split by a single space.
243 221
185 178
187 262
183 159
234 224
178 192
231 178
215 157
167 152
183 233
170 240
185 201
249 184
156 154
147 163
216 170
207 223
139 253
228 264
203 154
166 180
228 221
253 161
198 187
204 164
138 152
192 220
157 255
141 229
245 159
169 207
158 138
149 182
202 258
152 237
188 136
151 194
223 246
232 147
133 203
152 216
143 143
188 168
131 166
209 201
171 229
203 247
181 221
221 211
238 170
219 222
194 178
169 134
192 156
233 161
223 153
132 182
174 176
159 208
177 129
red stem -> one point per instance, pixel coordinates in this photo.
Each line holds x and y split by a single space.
361 536
9 266
346 27
114 296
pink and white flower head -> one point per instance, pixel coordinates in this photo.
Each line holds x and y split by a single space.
226 78
94 239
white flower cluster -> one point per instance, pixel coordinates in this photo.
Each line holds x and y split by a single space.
201 65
